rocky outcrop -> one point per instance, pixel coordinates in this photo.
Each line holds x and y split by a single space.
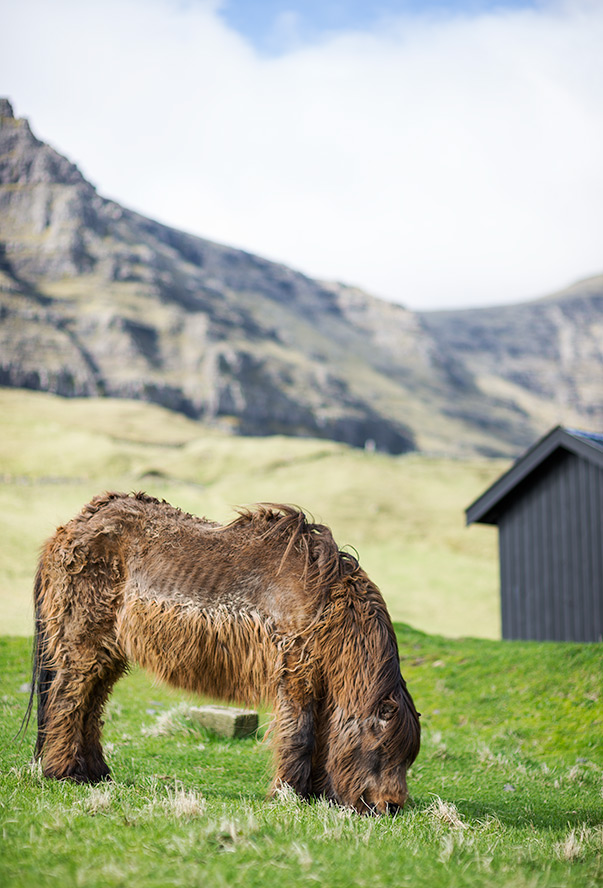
548 351
98 300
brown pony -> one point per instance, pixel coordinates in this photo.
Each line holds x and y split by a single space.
265 608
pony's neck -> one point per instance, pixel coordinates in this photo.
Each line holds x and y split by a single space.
360 662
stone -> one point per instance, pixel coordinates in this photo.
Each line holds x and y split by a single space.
226 720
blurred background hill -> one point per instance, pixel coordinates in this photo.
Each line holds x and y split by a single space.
403 515
96 300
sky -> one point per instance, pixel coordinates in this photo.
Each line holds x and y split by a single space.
440 154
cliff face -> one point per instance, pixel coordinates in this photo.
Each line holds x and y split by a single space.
542 354
97 300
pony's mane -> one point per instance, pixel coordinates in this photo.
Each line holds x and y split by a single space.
357 623
325 564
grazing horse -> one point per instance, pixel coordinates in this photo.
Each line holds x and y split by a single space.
264 608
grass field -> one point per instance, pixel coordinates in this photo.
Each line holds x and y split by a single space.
404 515
507 789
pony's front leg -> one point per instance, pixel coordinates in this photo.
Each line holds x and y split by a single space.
294 745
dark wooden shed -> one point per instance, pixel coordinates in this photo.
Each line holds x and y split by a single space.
549 512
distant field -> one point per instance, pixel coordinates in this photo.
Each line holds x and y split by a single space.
404 515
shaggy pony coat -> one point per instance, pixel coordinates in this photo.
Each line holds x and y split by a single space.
263 609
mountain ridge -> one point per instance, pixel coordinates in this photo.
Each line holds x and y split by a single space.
96 299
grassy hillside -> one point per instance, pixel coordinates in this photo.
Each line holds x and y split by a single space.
404 515
507 789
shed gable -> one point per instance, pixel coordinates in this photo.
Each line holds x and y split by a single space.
549 511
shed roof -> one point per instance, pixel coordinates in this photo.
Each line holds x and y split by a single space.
589 445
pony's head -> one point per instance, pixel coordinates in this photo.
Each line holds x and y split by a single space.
368 731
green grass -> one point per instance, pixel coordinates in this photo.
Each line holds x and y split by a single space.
507 789
404 515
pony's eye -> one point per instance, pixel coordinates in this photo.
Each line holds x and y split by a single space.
386 710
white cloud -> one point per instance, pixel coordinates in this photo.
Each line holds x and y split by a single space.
433 161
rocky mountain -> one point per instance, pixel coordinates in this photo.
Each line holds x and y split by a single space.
546 355
97 300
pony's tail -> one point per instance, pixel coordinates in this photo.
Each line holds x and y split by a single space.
41 674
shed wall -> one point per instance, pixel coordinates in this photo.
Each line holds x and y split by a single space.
551 553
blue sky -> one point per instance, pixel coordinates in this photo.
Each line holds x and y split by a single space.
436 153
273 25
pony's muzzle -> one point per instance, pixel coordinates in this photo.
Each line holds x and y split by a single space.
392 806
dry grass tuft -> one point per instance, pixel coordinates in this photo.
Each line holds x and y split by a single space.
173 721
285 794
572 846
574 772
445 813
34 768
185 804
579 841
98 801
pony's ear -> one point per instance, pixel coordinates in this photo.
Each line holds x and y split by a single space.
387 709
